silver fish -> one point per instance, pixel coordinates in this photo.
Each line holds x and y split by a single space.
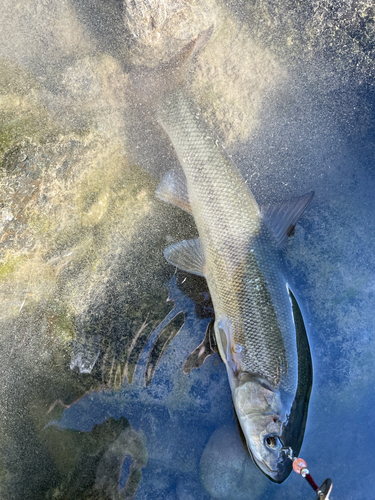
258 326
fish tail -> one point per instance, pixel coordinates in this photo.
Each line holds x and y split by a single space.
150 85
180 64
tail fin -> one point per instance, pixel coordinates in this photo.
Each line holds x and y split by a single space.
150 85
179 64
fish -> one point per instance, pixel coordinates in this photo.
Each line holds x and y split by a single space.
258 327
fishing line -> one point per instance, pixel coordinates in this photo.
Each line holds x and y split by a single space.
300 467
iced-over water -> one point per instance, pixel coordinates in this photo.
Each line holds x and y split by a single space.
288 90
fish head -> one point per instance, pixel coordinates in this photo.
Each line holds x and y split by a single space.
262 417
262 413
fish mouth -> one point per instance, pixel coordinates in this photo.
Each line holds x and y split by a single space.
274 471
282 472
277 475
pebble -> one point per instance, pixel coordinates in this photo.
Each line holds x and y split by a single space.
226 470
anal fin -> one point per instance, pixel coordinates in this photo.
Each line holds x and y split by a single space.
187 255
173 189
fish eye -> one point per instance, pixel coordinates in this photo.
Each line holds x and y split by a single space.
272 442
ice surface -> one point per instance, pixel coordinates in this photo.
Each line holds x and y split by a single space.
85 353
288 89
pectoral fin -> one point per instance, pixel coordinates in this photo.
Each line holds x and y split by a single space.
203 351
187 255
282 219
173 189
230 352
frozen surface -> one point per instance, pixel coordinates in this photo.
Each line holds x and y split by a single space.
288 89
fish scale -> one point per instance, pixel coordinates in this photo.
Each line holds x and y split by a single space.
242 261
259 328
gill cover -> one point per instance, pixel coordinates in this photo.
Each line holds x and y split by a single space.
261 415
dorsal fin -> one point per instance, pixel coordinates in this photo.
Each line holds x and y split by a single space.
173 189
282 219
